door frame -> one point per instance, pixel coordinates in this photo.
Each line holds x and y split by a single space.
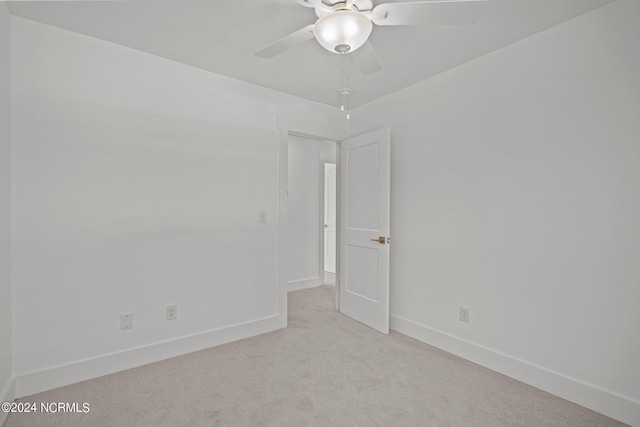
323 237
286 126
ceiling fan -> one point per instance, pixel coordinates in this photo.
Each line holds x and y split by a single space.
344 26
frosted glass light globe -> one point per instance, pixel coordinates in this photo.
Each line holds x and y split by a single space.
342 31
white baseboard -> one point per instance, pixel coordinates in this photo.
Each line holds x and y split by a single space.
59 376
311 282
606 402
7 394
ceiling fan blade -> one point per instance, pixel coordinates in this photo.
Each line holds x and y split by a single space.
435 12
309 3
287 42
366 59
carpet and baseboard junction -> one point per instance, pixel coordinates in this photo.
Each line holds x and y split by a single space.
324 369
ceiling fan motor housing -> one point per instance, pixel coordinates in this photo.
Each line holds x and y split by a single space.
324 7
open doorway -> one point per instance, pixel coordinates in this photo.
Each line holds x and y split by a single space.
287 127
330 222
309 210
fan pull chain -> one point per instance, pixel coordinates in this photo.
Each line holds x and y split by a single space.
345 91
348 87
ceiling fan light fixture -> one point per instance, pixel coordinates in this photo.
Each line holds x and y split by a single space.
342 31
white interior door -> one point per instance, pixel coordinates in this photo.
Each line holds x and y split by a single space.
365 227
330 217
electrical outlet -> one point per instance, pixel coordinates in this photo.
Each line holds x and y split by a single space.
172 312
262 217
465 314
126 321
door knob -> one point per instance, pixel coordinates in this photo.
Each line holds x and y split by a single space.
380 240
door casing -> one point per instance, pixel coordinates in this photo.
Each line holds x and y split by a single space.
327 226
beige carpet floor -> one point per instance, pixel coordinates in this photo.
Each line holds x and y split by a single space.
323 370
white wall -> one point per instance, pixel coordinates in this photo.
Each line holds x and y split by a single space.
6 383
138 183
516 192
306 157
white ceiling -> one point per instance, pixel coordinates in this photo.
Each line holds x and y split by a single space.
221 36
